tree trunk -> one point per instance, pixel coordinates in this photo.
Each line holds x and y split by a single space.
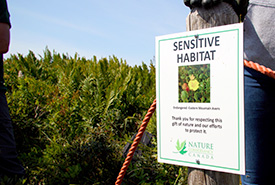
200 18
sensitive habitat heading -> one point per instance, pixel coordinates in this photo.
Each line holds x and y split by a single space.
196 43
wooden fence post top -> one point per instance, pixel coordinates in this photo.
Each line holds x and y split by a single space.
200 18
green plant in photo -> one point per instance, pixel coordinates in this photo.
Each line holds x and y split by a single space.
194 83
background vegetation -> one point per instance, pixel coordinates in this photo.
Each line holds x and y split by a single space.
72 118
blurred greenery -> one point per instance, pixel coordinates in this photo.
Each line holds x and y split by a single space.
73 116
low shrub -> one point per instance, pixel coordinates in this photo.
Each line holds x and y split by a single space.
73 116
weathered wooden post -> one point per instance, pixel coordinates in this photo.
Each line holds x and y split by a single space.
200 18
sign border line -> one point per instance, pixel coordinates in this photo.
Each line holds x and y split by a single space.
238 93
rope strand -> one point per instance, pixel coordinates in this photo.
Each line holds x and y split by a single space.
260 68
135 143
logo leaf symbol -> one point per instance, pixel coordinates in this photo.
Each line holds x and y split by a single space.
178 146
181 147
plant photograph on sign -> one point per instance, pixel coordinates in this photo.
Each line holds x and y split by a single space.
194 83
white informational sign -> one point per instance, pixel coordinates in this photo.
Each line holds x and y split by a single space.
200 99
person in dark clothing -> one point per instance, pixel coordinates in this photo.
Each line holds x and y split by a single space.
9 163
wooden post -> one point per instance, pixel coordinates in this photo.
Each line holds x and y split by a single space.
200 18
219 15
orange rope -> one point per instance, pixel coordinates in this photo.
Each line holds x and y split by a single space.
264 70
260 68
135 143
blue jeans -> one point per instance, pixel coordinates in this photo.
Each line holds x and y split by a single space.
9 163
259 99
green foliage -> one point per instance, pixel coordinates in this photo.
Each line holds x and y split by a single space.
73 116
